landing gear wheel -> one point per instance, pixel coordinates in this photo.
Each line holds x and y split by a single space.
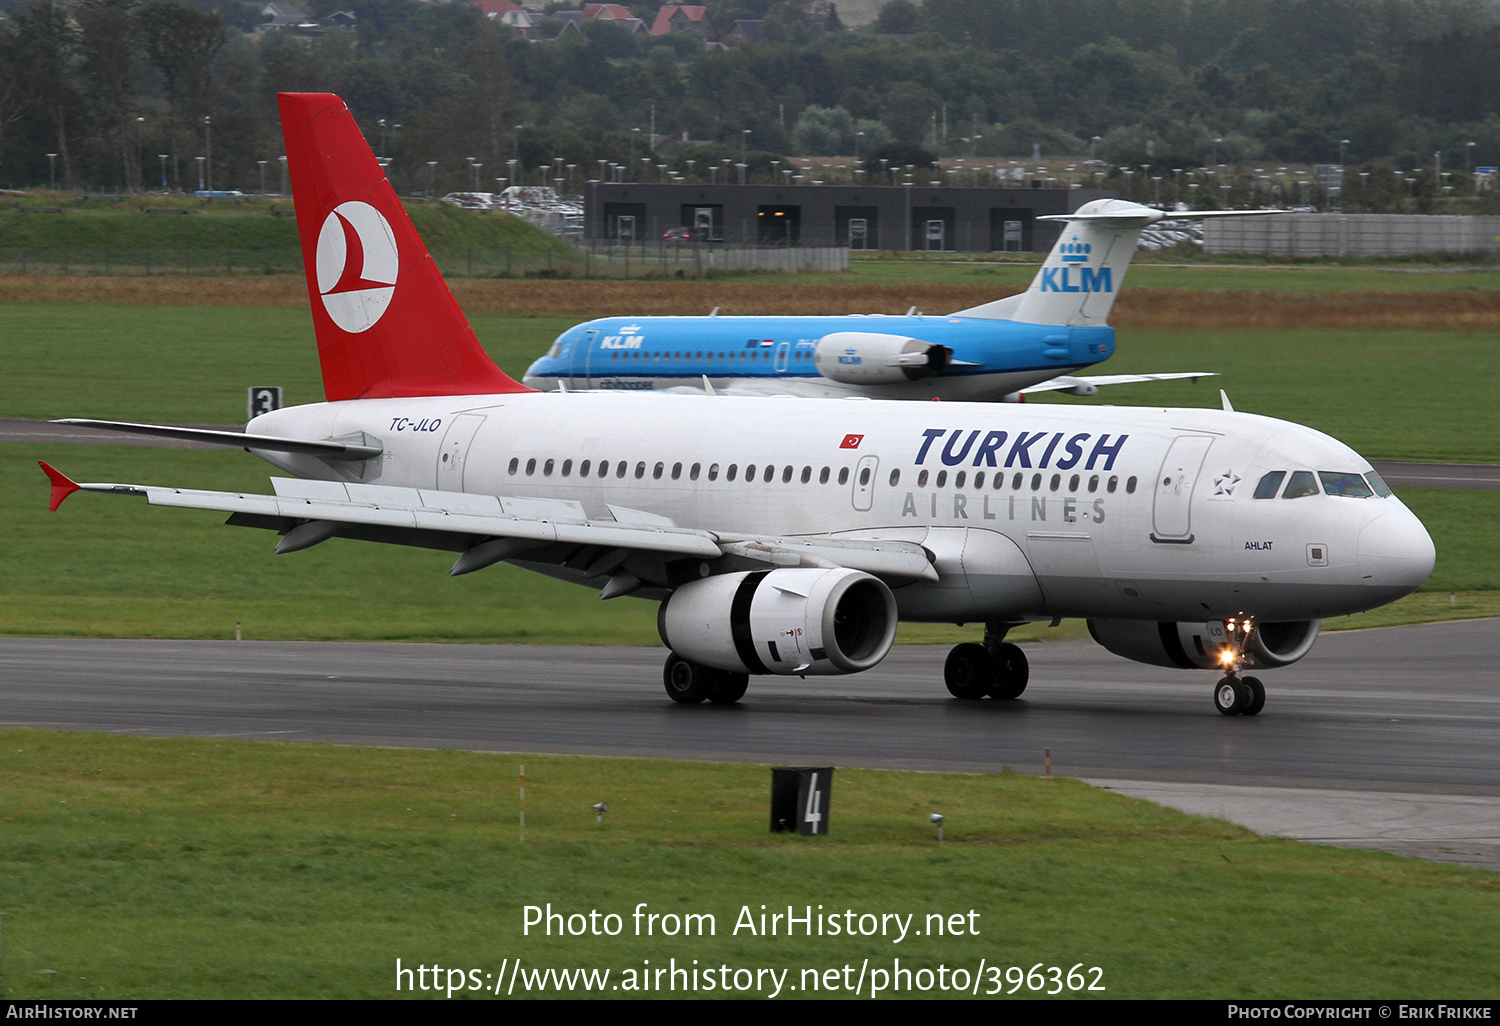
1011 672
729 688
1231 696
969 671
686 682
1257 692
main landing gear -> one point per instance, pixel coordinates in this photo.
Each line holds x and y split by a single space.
1236 695
691 683
996 668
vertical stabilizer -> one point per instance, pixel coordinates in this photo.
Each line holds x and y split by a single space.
386 324
1077 283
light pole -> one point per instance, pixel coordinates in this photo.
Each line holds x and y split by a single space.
381 123
285 188
163 157
208 149
262 164
52 171
432 178
140 159
744 141
200 174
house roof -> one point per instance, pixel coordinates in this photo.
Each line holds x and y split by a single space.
693 15
606 12
495 8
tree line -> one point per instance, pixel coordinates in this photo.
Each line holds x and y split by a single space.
110 94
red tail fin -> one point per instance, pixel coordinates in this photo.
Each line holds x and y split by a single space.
386 324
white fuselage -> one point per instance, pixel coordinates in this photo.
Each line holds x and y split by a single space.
1029 511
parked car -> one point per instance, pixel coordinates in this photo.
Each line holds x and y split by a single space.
677 235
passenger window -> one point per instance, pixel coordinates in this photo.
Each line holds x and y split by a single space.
1093 483
677 471
730 475
958 479
1268 485
514 463
1349 485
864 476
1056 480
979 480
1114 482
786 475
1073 483
531 466
823 476
567 468
693 474
713 472
770 473
604 468
547 468
1130 487
749 473
1015 482
640 470
583 468
843 475
1301 485
1036 482
806 474
656 471
621 467
942 479
895 477
921 479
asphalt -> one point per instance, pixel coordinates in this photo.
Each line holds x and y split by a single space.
1387 739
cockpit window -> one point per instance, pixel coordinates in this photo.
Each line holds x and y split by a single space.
1268 484
1348 484
1302 484
555 351
1381 488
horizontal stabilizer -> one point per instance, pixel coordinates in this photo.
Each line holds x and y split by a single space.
238 439
1089 384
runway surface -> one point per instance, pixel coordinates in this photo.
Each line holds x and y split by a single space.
1467 476
1411 714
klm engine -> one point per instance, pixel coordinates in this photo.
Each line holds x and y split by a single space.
865 358
792 621
1199 646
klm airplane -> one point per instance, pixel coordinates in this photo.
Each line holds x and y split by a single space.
1033 342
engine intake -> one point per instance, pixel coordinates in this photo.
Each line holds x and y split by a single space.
791 621
867 358
1191 646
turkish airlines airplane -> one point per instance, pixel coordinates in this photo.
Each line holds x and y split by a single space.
789 536
1034 342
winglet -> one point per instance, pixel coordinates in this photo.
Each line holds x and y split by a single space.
1224 398
62 485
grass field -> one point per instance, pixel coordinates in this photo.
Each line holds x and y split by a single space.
139 868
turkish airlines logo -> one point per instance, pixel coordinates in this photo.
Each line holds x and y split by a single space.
357 266
851 441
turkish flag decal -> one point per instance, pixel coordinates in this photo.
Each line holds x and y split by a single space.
851 441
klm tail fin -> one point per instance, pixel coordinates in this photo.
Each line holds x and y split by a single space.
1078 281
386 324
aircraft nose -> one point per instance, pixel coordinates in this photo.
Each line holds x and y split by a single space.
1396 552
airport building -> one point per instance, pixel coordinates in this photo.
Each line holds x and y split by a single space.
901 217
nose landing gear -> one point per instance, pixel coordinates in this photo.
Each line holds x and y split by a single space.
1235 695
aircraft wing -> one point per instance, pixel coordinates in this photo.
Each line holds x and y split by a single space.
1090 384
485 529
330 450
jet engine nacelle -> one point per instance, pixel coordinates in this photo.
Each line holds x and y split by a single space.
1198 646
791 621
867 358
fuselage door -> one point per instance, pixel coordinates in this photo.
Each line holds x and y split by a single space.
864 482
1171 512
783 356
454 452
581 358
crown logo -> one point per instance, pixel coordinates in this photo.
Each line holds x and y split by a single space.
1075 252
